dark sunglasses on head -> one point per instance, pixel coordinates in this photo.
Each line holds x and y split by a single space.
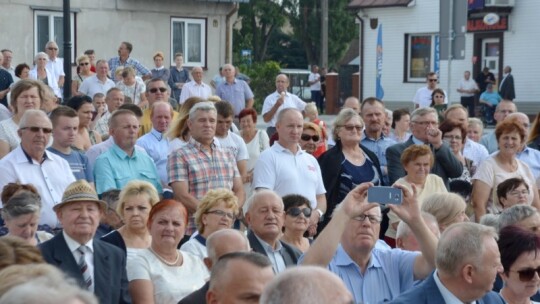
37 129
526 275
154 90
295 211
306 137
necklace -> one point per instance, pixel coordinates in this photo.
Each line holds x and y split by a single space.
164 260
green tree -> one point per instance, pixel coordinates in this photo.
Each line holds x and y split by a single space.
263 75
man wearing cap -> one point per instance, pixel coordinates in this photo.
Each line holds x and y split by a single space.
97 266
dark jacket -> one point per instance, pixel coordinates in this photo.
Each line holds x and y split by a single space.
507 88
330 163
289 253
110 278
196 297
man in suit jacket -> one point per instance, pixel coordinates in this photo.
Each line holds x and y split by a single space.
506 87
265 218
467 263
218 244
97 266
424 130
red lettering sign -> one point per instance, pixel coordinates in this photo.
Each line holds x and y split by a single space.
478 25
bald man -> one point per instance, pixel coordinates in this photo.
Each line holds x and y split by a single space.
195 88
235 91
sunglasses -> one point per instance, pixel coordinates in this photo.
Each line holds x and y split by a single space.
306 137
295 211
154 90
37 129
352 128
52 49
433 80
84 63
526 275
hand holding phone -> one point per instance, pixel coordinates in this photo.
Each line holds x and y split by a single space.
385 195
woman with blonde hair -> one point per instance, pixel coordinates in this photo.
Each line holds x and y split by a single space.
83 62
160 71
447 208
178 133
216 211
134 204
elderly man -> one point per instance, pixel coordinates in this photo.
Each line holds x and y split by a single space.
155 142
424 130
31 163
306 285
6 64
422 98
239 277
265 216
235 91
373 138
5 83
286 169
506 87
527 155
201 165
504 108
195 88
97 266
122 162
114 99
99 83
218 244
124 60
347 247
405 238
310 138
468 261
156 90
55 65
277 101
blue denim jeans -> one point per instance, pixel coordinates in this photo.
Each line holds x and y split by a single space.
488 114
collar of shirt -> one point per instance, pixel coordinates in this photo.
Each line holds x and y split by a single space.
233 82
417 141
276 146
448 296
156 134
267 246
198 145
365 136
121 153
160 68
74 245
31 160
200 239
277 94
343 259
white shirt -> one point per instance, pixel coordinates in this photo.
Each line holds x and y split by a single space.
195 247
192 88
448 296
286 173
467 85
88 254
51 82
157 146
51 178
236 144
291 101
475 152
56 67
317 85
92 85
423 97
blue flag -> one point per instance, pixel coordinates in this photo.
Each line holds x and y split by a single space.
379 89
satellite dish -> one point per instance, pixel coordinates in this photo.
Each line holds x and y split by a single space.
491 18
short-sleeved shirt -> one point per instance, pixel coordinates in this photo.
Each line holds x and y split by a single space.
236 144
133 91
157 147
114 169
193 89
388 274
423 97
291 101
78 163
280 170
317 85
493 98
236 93
92 85
56 67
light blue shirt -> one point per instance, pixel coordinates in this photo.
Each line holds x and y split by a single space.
490 142
388 274
236 94
114 169
531 157
157 146
278 263
379 146
448 296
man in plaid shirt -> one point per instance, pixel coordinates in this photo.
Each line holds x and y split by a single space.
201 165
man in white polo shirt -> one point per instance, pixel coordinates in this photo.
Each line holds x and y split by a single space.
286 169
98 83
422 98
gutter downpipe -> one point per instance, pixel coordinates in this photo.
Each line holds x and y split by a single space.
228 34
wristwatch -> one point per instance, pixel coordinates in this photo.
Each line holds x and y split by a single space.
321 214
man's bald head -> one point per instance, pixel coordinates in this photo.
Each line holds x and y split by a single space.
352 103
523 119
225 241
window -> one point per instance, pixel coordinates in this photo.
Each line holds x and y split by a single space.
48 25
422 56
189 38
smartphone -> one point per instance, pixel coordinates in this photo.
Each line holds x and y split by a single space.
385 195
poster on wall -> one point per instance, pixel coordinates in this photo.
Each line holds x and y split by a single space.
379 61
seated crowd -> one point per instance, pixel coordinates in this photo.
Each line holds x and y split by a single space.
145 188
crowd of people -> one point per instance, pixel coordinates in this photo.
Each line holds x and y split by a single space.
151 186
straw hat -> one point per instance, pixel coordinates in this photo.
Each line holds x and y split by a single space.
80 191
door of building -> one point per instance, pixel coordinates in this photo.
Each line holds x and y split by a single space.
490 54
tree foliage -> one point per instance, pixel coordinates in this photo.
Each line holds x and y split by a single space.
263 75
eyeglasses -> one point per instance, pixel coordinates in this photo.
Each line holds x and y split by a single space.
84 63
518 193
439 96
372 218
452 137
306 137
154 90
221 213
37 129
425 123
52 49
432 80
352 128
295 211
526 275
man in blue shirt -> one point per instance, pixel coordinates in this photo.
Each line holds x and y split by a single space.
237 92
122 162
347 247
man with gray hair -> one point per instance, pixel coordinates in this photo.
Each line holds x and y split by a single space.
424 129
195 88
405 238
201 165
239 277
218 244
235 91
55 64
521 215
265 215
468 261
306 285
31 163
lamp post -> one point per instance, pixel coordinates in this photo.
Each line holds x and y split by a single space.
67 51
